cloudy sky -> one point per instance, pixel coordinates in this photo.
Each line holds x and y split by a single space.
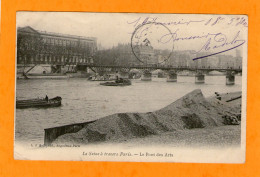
113 28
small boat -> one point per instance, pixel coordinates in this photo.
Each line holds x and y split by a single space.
123 82
32 103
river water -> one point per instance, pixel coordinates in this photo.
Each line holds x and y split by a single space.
84 100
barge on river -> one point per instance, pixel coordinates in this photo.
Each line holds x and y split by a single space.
120 82
39 103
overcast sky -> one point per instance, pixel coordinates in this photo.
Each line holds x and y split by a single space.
113 28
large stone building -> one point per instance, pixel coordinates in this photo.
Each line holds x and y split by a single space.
38 47
184 58
125 55
146 54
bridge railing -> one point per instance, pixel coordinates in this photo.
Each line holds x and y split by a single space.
155 66
162 67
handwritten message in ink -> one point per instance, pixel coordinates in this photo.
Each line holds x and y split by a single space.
203 36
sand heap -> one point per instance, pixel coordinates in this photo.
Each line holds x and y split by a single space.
190 111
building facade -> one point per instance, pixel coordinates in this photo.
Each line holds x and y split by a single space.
38 47
146 54
185 58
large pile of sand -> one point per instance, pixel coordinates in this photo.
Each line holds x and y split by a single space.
190 111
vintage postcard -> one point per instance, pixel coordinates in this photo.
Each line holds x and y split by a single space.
131 87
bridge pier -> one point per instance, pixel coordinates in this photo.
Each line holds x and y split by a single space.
146 76
199 78
171 77
230 79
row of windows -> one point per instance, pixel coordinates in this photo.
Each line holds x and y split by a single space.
64 42
47 58
57 40
30 46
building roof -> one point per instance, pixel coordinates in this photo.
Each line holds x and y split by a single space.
29 29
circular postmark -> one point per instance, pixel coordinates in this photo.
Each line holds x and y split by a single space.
147 45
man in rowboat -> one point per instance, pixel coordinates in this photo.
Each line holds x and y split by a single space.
47 98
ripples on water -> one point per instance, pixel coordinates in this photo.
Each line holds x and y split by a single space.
84 100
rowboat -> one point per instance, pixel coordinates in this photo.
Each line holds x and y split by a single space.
44 103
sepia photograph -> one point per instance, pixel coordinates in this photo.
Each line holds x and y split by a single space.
131 87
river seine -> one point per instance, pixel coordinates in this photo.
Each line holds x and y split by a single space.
84 100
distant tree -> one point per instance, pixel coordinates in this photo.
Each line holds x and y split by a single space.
120 55
106 57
